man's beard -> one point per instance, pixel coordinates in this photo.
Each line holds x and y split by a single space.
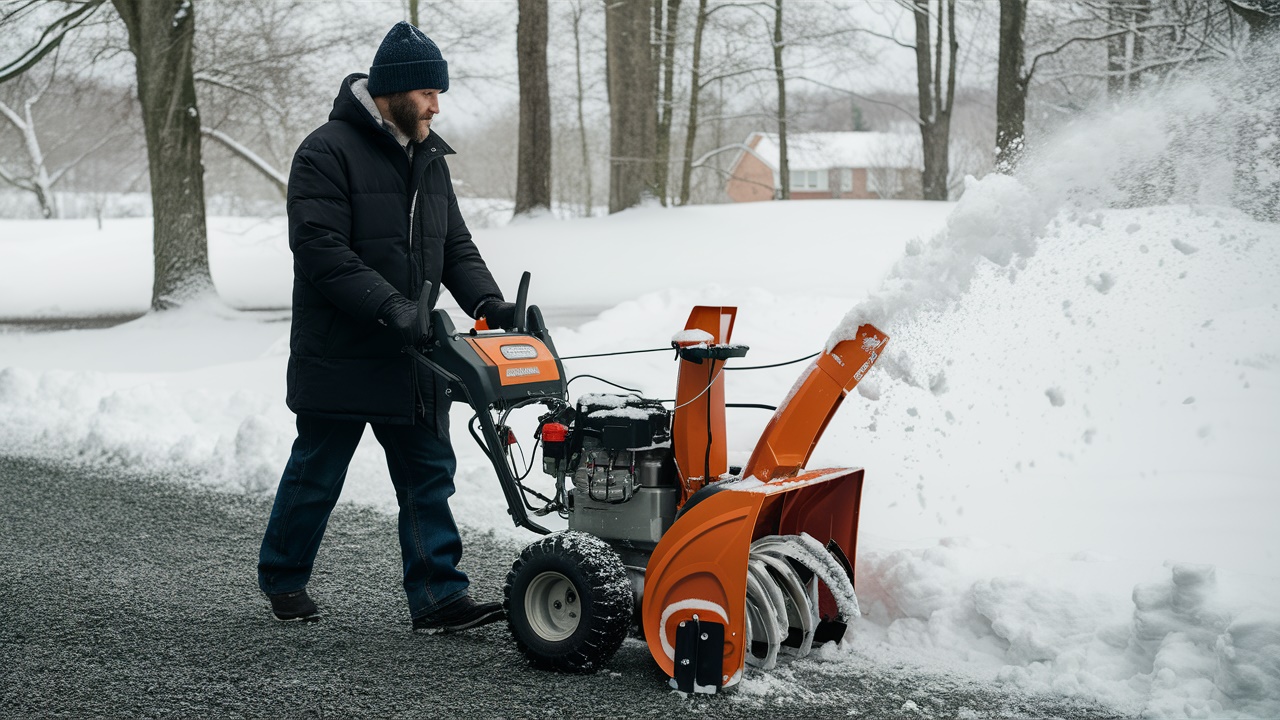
404 113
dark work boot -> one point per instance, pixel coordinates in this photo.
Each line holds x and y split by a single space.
294 606
460 614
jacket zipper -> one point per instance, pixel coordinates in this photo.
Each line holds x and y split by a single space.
413 204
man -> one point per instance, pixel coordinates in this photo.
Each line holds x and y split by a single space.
372 215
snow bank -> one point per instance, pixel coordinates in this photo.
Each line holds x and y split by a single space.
1085 362
1178 646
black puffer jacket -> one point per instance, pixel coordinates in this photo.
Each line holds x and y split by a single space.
350 192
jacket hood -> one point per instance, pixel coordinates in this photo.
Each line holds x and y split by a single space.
350 108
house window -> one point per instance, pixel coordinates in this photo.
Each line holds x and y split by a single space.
846 180
808 179
885 182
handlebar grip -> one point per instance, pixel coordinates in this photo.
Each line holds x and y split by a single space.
424 310
522 299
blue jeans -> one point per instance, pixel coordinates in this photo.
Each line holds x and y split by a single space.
422 466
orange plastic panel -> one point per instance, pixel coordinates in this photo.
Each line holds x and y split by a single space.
539 368
700 566
690 422
798 424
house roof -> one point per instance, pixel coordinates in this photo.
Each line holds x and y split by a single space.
821 151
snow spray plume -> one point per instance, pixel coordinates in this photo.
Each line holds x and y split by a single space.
1213 139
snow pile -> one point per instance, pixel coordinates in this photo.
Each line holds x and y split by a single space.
1178 648
166 393
1085 362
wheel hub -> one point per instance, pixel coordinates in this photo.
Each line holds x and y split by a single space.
551 605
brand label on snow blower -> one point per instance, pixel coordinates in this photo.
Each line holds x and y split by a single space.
523 371
519 352
866 366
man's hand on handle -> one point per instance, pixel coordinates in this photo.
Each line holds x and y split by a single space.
401 314
499 314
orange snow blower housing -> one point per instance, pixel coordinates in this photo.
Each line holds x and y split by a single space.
722 567
700 571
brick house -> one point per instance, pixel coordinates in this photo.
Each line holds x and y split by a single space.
850 165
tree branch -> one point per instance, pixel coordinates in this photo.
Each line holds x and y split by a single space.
12 117
280 181
703 84
14 180
1090 38
49 39
725 148
1127 71
914 117
208 79
53 180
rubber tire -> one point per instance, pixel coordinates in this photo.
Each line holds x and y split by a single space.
600 580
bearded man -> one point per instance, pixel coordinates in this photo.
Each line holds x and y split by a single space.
372 215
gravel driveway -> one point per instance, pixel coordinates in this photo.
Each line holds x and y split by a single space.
127 597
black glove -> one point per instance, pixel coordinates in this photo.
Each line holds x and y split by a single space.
401 314
499 314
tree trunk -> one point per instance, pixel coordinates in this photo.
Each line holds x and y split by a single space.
582 123
695 87
784 168
38 182
413 13
1011 84
160 36
533 168
1117 50
1141 10
936 94
667 109
632 121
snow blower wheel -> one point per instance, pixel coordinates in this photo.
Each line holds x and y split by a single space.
569 603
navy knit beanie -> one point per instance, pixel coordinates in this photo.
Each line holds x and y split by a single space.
407 60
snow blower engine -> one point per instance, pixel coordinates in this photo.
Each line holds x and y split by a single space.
719 567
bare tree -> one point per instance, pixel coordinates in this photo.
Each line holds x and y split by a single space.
160 38
1011 83
632 121
161 34
936 49
533 173
784 168
666 106
695 89
39 179
576 19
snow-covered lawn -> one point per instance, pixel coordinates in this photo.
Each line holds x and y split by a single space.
1072 476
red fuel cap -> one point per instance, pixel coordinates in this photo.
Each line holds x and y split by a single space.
554 433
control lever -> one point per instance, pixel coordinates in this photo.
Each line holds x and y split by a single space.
522 299
424 312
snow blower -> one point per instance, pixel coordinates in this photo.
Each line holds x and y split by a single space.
720 567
